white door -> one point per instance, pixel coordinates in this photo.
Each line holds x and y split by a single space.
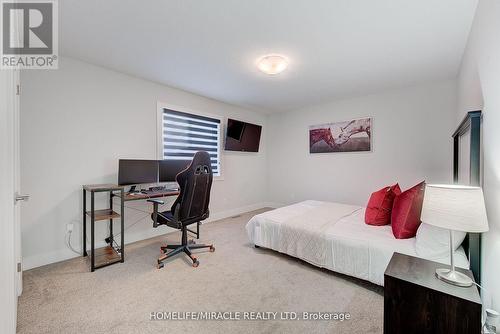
9 223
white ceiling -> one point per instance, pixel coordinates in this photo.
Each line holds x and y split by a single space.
337 48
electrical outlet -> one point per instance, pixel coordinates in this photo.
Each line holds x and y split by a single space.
69 227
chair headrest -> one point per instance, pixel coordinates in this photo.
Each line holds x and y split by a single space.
201 164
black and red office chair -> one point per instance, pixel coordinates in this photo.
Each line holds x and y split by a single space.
190 207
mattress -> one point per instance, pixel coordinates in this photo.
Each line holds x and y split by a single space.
334 236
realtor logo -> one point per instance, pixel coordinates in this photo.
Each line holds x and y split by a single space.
29 34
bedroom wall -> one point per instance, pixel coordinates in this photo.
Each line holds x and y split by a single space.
77 121
412 130
479 89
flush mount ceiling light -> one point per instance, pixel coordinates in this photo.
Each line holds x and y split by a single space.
272 64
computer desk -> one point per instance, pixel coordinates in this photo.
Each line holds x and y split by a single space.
156 194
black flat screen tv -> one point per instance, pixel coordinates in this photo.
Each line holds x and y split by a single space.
242 136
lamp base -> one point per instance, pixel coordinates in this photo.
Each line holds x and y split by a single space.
453 277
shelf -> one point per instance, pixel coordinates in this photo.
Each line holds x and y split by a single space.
105 256
103 214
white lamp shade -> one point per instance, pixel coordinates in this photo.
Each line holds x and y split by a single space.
458 208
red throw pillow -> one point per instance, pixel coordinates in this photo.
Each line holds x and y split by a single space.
378 210
405 217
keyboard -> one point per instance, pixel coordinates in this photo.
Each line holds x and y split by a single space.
160 188
154 192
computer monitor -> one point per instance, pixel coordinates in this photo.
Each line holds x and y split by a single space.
137 171
170 168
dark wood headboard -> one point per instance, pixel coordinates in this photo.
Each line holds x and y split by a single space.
470 124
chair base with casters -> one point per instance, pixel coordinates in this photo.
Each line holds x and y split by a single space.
186 246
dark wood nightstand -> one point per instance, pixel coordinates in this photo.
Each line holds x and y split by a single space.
415 301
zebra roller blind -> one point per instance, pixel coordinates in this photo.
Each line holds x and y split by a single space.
184 134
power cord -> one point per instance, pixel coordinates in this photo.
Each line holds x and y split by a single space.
132 208
484 290
479 286
485 293
134 223
137 221
68 242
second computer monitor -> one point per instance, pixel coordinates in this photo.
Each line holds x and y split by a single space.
170 168
132 172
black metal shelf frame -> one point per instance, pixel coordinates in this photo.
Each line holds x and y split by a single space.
111 189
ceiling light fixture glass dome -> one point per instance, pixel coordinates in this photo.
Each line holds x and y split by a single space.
272 64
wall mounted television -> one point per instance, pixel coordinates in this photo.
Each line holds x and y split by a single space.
242 136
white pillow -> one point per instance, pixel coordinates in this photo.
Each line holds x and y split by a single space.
434 242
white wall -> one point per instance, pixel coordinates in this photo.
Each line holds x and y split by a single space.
76 122
412 130
479 88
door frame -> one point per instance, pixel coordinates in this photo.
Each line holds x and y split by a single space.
8 274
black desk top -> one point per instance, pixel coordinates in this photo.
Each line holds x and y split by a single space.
423 272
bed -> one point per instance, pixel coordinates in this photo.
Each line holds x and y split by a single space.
334 236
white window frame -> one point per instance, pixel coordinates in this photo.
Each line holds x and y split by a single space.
159 131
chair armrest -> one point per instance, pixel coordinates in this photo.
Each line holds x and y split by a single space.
156 201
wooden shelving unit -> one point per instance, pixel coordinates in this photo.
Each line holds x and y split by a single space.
110 254
104 214
106 256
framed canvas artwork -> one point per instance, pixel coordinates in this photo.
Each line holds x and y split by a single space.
348 136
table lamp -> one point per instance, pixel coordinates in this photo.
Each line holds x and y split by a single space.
456 208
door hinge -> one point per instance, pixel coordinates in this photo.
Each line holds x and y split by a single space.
18 89
19 267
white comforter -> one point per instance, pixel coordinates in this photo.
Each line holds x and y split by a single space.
333 236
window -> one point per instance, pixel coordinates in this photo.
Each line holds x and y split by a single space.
183 134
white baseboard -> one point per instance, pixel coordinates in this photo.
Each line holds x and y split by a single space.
39 260
273 205
236 211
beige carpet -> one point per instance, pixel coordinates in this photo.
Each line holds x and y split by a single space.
66 298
